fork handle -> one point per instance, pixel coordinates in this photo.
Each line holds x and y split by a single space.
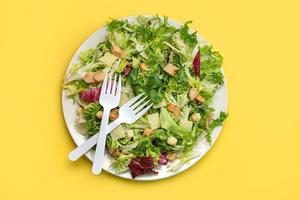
99 155
87 145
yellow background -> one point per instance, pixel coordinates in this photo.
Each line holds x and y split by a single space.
255 157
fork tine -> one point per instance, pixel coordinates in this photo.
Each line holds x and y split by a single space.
113 90
138 103
104 85
132 101
118 91
109 84
141 107
140 114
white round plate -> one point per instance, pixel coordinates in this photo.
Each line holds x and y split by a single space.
219 104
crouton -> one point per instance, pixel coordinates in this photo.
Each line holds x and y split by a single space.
99 76
172 141
147 132
79 111
200 99
174 109
116 51
196 117
114 114
99 114
171 155
143 66
170 69
89 77
193 93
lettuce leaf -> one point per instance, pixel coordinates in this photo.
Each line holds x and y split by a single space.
121 164
211 62
146 148
92 122
87 56
73 88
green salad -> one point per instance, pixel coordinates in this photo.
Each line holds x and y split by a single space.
180 75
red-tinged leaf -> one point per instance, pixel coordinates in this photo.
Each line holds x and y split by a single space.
197 64
163 160
90 95
127 70
141 166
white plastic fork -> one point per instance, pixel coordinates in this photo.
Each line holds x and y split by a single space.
109 99
127 114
